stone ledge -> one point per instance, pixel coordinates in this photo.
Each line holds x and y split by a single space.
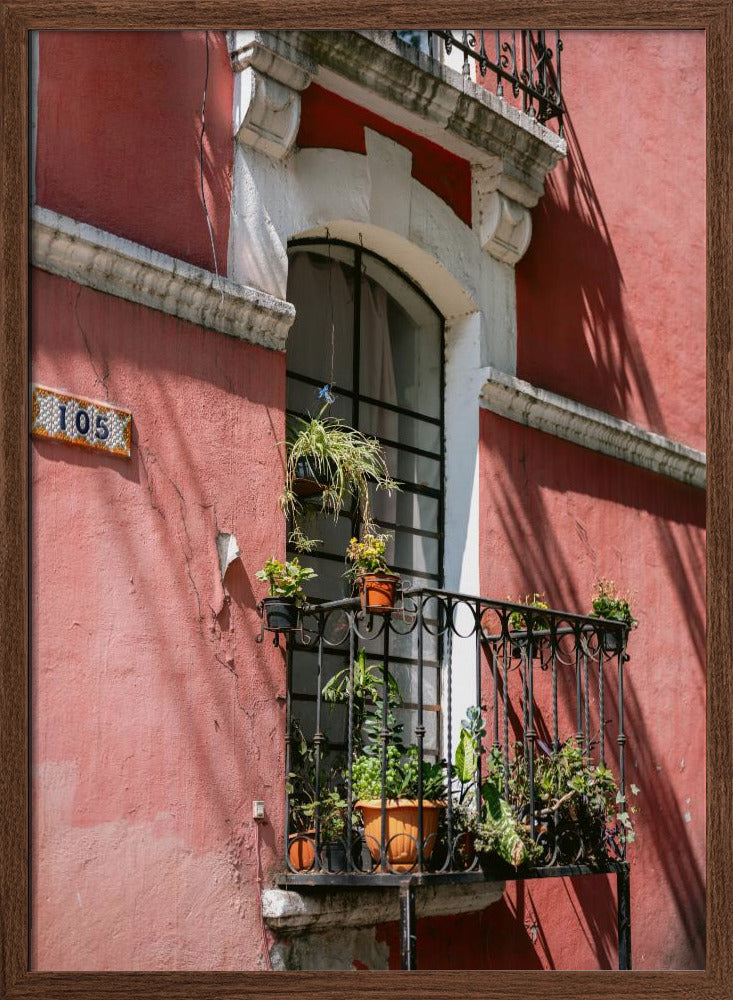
108 263
290 912
554 414
428 97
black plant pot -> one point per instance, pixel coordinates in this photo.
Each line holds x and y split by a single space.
333 856
610 641
308 482
280 614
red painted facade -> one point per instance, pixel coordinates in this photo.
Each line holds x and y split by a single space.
331 122
119 121
611 293
156 717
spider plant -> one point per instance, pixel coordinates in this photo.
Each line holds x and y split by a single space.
345 461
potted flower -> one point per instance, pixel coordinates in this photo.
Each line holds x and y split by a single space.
402 804
377 585
611 605
280 609
329 466
518 620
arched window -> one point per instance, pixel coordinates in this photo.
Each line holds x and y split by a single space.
364 327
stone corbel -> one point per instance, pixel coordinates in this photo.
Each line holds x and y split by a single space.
267 84
503 218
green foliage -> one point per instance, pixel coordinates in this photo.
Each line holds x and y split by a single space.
401 780
345 460
367 555
286 579
518 621
300 780
499 831
331 814
368 686
465 761
609 603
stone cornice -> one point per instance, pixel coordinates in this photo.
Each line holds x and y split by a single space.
546 411
433 100
128 270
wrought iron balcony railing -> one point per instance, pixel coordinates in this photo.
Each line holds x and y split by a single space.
525 63
538 758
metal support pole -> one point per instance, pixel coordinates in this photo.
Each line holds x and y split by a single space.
623 902
408 927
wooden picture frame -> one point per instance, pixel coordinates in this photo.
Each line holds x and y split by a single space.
18 19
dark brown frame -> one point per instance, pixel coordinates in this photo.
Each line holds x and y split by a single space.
22 16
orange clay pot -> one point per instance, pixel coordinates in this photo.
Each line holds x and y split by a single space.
377 591
401 837
302 850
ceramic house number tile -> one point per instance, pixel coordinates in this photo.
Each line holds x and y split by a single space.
75 420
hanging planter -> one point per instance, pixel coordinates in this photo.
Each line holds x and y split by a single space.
330 467
281 609
376 584
312 478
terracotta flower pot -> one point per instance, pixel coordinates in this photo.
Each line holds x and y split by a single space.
377 591
402 830
280 614
302 850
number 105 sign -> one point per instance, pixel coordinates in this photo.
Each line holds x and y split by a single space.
84 422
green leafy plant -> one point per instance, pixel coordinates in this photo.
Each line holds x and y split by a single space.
331 815
301 778
468 748
569 791
345 461
401 779
499 831
367 687
367 555
608 602
518 621
286 579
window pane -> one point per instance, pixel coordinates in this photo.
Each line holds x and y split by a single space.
400 353
323 293
383 423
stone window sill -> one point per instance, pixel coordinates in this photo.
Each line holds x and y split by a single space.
288 912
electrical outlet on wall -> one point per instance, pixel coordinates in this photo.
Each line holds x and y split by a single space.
258 810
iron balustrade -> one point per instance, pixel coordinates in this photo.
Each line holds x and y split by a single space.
528 62
538 677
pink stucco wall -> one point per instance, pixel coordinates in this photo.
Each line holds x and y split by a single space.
555 517
611 293
119 123
156 718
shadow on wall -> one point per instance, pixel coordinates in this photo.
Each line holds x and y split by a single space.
600 362
596 353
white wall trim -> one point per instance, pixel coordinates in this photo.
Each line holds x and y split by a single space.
130 271
554 414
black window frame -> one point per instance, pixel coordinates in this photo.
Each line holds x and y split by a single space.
357 398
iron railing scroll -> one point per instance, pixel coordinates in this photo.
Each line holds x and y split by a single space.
531 682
